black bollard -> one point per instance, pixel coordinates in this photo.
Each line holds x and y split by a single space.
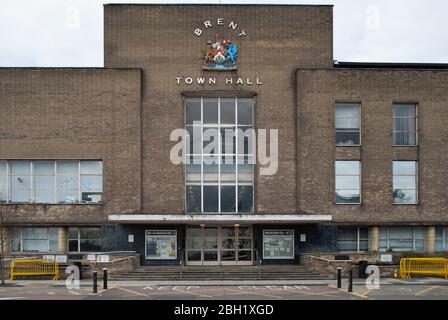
339 278
350 280
105 278
95 282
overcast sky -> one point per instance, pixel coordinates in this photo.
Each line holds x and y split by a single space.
58 33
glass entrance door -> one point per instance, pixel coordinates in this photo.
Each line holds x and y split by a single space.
226 245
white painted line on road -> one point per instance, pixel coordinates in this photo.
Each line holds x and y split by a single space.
426 290
12 298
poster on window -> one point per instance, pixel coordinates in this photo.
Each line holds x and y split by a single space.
278 244
161 244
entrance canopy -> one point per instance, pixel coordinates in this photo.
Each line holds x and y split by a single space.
219 218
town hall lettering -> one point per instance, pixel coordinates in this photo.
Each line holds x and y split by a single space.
213 81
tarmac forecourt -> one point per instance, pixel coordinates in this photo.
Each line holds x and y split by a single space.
422 289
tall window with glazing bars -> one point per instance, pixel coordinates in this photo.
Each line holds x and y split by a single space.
405 125
220 159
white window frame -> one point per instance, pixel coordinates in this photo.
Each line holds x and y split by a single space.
417 200
293 244
416 105
55 198
219 184
359 104
360 184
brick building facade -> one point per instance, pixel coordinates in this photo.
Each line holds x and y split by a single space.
85 153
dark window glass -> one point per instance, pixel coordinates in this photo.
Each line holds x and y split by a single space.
244 255
210 256
228 255
73 245
194 198
245 111
228 199
210 110
193 110
90 245
210 198
227 110
194 255
245 199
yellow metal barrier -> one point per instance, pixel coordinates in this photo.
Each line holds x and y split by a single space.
34 268
423 266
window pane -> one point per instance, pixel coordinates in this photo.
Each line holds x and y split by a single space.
193 198
193 110
347 123
347 110
347 168
211 169
245 199
404 168
90 233
20 182
68 196
92 167
20 195
404 182
73 245
20 168
210 110
211 138
67 167
227 110
67 182
347 137
92 183
228 140
347 182
43 168
408 111
245 111
228 199
244 232
405 196
194 170
195 139
3 167
73 233
210 198
228 169
3 182
348 196
44 195
92 245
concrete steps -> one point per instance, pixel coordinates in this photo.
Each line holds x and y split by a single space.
149 273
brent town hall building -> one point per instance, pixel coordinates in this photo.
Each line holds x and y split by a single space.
86 153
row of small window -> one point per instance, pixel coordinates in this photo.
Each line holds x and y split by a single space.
49 181
47 240
348 124
391 239
348 182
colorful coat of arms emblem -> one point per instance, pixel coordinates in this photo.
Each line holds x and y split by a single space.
220 54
